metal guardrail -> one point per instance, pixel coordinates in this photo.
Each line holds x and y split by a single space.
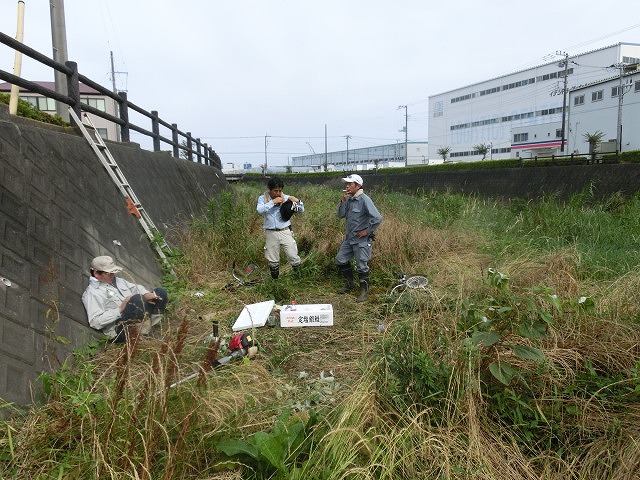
202 153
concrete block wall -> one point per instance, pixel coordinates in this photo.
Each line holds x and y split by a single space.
58 209
524 182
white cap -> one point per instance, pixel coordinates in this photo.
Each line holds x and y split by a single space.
353 178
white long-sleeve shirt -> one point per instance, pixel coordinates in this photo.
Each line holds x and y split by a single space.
271 211
102 302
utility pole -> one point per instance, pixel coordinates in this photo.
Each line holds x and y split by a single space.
564 94
620 98
60 55
406 121
264 171
325 148
17 62
115 103
348 137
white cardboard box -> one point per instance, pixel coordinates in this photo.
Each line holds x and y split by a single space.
311 315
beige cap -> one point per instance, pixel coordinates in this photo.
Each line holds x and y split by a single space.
105 264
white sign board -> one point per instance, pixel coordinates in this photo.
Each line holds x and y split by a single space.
253 315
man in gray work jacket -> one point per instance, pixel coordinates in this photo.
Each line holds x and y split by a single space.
362 220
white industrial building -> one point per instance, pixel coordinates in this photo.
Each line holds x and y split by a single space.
367 158
521 114
599 107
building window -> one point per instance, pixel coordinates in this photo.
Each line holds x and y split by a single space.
103 133
595 96
630 60
43 104
438 109
578 100
614 91
463 97
97 103
550 111
489 91
637 89
520 137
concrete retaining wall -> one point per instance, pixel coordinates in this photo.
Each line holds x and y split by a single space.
59 209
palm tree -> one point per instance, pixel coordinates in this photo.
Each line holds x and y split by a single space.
482 149
594 140
444 152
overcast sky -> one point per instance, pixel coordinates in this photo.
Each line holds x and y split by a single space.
233 72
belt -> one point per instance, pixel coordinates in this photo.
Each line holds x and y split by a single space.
278 229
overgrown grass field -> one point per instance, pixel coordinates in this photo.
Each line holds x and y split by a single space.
519 360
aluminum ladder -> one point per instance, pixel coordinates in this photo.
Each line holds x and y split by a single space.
91 135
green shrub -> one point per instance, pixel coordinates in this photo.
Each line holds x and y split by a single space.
27 110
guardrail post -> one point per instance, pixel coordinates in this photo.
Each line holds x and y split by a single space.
73 87
189 146
174 138
199 150
155 128
124 116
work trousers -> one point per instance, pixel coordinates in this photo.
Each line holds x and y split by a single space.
138 306
280 239
360 250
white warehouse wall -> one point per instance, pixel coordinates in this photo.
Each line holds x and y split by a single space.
602 115
475 114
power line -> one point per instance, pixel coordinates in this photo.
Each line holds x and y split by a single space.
626 29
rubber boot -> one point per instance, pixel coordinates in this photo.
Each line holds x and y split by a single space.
145 325
275 271
347 272
149 322
364 288
156 318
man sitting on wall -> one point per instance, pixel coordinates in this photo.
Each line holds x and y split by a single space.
111 302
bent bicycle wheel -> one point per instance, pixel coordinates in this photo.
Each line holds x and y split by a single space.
417 281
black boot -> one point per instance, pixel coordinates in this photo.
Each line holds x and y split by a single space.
275 271
347 272
364 288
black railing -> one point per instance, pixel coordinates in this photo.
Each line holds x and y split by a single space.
182 143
